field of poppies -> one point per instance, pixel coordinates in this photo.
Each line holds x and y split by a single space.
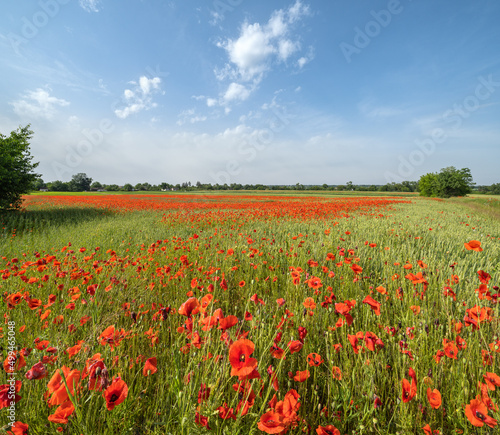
225 314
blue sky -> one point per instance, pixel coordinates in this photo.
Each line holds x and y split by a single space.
240 91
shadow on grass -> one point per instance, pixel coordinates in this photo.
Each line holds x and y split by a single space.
35 220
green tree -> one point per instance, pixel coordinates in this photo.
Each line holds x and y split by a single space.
447 183
58 186
16 167
495 189
39 184
80 182
428 185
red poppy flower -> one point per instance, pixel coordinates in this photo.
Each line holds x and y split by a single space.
150 366
372 342
277 352
302 376
271 422
314 282
62 412
289 407
434 397
6 394
14 362
314 359
225 412
374 305
19 428
473 245
337 373
239 357
356 269
204 303
485 398
343 309
116 393
201 420
477 413
112 337
191 306
57 388
72 351
203 393
227 322
408 391
38 371
484 277
450 349
327 430
355 341
255 298
295 346
309 304
492 380
98 375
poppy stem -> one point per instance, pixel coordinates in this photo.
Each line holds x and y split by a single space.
78 413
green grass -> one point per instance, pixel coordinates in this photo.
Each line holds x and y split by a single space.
125 251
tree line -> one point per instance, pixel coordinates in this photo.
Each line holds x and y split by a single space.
17 177
81 183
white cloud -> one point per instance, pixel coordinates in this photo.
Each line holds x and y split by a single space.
211 102
276 25
190 116
236 91
253 52
302 61
297 11
148 84
140 98
306 59
38 104
90 5
287 48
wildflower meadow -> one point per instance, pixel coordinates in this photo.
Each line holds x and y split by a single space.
249 314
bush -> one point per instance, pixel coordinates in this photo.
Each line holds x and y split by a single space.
16 169
447 183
